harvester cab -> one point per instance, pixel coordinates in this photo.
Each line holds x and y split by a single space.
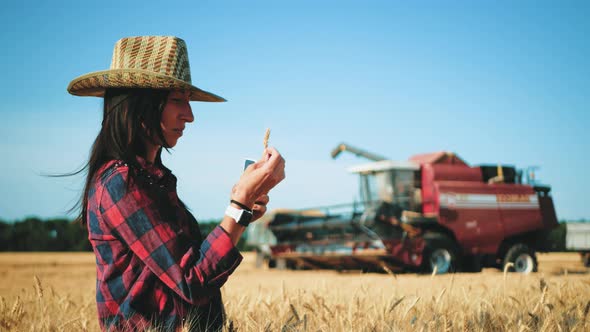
389 190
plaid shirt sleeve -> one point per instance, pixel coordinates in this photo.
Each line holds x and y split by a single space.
134 218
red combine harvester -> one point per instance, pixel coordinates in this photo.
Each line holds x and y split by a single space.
432 213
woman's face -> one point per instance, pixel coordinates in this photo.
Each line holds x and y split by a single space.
177 112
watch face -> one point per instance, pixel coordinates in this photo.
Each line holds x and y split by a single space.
245 218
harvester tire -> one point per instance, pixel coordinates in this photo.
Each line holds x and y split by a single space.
523 258
441 252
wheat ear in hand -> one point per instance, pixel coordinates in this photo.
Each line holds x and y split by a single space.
266 136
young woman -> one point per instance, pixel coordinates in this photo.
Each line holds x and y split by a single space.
153 268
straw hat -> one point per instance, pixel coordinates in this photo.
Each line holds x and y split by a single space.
156 62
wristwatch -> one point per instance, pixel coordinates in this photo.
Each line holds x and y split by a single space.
242 217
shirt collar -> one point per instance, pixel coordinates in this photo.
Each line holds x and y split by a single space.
157 171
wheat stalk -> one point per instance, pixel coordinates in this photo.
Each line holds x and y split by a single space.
465 324
266 136
515 300
2 304
586 310
230 326
410 307
388 270
539 304
396 303
506 267
440 295
294 311
308 307
252 320
327 309
446 324
542 284
15 306
68 323
38 287
283 291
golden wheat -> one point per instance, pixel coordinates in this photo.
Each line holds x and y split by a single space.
266 137
38 287
55 292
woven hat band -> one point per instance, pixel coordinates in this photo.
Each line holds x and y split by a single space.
163 55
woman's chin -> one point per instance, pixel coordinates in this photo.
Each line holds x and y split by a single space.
171 141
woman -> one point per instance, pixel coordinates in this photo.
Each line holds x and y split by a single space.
153 268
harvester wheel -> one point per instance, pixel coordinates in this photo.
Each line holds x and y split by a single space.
523 258
440 254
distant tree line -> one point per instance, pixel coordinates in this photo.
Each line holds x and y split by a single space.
35 234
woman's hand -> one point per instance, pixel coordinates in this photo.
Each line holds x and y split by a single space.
258 179
259 208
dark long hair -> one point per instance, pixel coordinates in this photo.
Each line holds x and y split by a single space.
130 117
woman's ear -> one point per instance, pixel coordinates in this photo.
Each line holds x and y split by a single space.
146 133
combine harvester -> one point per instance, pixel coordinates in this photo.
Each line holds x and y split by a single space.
432 213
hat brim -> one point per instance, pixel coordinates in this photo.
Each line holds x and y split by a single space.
94 84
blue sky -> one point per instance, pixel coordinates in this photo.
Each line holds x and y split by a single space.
491 81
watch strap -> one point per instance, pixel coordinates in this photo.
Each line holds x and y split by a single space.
243 206
242 217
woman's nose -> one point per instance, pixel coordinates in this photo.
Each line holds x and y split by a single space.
187 113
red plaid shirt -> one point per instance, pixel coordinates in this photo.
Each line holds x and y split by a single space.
153 268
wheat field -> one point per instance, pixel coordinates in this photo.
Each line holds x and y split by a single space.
55 292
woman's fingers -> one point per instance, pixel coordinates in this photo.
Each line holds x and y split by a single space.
275 164
262 200
259 178
271 157
259 208
267 153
